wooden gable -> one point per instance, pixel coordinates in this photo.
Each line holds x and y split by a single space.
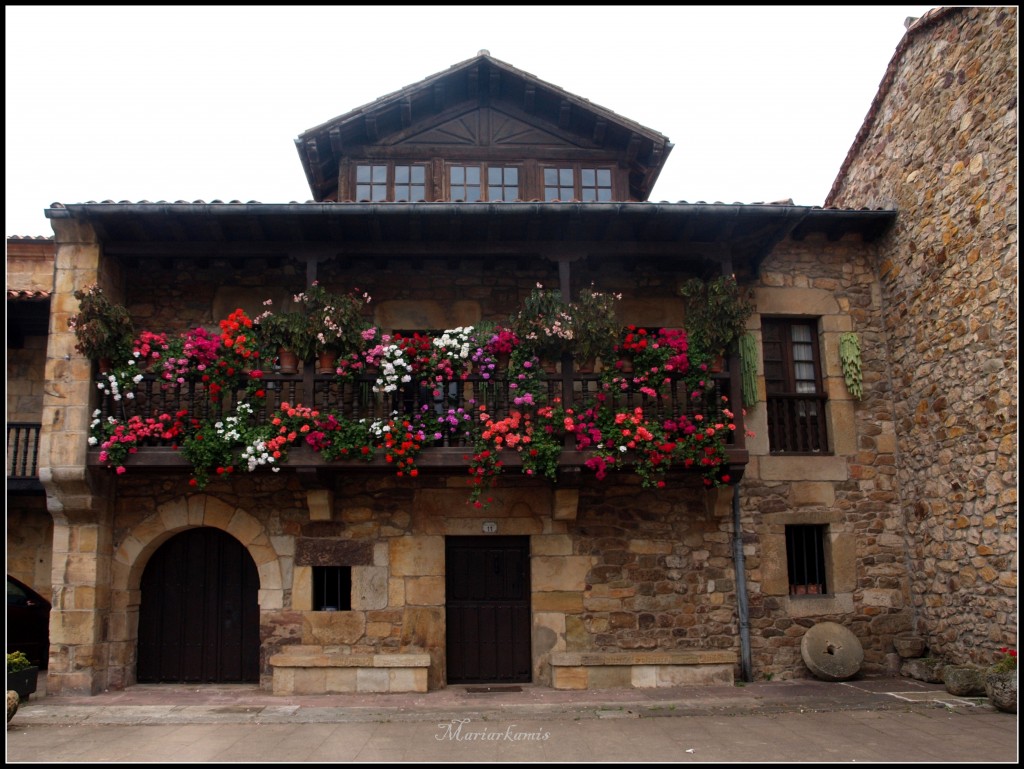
480 110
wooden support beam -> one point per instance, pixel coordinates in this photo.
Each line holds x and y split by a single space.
564 114
336 143
529 97
370 123
633 148
600 131
405 110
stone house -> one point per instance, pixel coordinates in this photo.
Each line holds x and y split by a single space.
448 201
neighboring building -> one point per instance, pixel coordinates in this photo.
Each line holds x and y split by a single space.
448 201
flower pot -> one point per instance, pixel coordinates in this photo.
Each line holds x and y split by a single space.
105 364
1001 689
718 365
503 359
586 366
624 365
326 362
549 366
23 682
288 361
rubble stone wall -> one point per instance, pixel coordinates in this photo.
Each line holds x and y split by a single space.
942 149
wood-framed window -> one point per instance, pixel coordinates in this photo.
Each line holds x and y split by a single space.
793 386
470 183
577 182
395 182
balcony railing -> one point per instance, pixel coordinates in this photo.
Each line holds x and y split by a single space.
355 399
23 456
796 424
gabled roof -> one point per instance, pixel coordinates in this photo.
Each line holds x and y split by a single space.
483 80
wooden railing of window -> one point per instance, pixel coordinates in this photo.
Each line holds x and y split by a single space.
796 424
23 450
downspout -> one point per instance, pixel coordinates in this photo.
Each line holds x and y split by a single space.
746 667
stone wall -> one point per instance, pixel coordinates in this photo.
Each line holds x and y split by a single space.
852 490
940 146
30 264
637 570
25 380
30 542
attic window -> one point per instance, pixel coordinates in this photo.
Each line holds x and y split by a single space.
384 182
465 183
576 183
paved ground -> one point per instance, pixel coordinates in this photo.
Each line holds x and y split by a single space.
869 720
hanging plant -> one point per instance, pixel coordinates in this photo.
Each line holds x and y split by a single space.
748 369
716 315
849 356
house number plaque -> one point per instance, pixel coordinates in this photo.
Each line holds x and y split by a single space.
490 527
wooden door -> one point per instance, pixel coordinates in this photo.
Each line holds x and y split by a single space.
487 587
199 616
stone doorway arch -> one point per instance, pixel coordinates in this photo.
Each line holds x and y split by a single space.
135 550
199 614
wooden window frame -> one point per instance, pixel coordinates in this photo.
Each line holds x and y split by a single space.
390 183
577 170
796 416
484 185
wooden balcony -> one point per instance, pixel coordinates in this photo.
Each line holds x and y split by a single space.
355 399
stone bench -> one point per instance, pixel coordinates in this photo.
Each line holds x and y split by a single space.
641 670
316 670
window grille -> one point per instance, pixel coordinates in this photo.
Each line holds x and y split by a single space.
332 588
805 556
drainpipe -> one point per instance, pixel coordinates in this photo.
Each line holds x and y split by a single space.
746 667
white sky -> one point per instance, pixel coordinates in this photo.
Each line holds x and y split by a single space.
204 103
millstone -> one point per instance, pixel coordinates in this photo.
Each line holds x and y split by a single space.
831 652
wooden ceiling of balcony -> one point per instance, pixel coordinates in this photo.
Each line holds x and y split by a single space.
672 232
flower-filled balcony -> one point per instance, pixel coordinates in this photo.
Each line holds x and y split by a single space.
476 400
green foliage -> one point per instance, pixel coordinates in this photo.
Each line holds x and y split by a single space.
748 368
544 324
17 661
595 325
288 329
335 321
213 445
717 311
103 329
1006 663
849 356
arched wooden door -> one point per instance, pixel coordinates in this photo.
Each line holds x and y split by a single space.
199 615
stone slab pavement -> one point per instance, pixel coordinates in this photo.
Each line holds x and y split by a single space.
865 720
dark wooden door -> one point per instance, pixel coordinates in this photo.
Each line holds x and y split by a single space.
199 616
487 588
